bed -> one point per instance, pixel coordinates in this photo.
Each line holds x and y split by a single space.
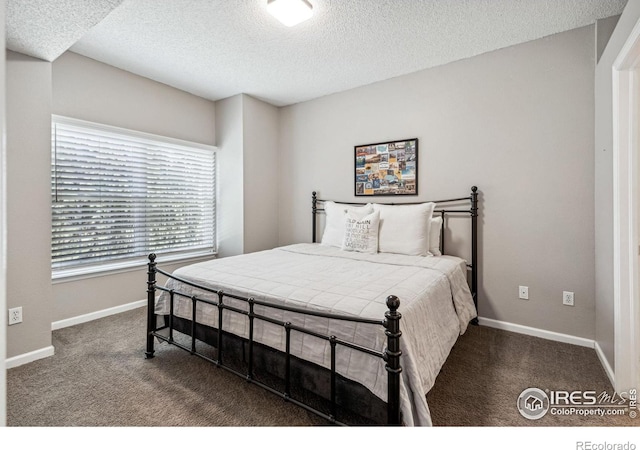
354 328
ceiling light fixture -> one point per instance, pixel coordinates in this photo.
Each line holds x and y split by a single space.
290 12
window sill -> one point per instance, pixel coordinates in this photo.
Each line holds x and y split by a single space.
70 275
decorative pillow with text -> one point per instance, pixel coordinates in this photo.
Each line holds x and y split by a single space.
335 216
361 233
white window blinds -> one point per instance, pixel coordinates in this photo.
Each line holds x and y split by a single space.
119 195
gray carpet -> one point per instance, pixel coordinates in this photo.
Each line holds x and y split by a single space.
99 377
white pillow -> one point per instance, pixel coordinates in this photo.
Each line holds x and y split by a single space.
335 213
361 233
405 229
434 236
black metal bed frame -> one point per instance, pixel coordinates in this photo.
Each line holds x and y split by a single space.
391 323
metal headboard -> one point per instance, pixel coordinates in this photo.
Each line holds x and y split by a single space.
443 207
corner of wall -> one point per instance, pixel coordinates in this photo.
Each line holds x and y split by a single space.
261 173
230 178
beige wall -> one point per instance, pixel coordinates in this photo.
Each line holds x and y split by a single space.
518 123
89 90
604 30
28 202
605 326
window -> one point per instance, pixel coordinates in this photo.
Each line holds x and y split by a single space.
118 195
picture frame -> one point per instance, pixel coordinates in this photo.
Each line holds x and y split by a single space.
386 168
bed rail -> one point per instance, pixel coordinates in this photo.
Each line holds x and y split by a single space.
452 206
391 323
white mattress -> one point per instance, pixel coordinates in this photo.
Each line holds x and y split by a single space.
435 303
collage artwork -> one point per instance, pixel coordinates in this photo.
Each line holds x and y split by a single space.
388 168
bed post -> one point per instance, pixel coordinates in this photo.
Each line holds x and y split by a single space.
151 303
314 210
392 357
474 248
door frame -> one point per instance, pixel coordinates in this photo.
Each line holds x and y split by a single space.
626 208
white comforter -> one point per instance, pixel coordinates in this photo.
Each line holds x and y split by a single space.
435 303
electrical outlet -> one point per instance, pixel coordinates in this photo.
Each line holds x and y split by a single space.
523 292
567 298
15 315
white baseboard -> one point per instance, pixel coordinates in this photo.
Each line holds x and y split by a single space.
49 351
537 332
605 364
97 315
29 357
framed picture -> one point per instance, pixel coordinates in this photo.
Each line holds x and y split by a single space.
387 168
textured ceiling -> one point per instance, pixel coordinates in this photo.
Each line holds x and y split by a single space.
46 29
219 48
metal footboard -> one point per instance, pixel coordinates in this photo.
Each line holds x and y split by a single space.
391 354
